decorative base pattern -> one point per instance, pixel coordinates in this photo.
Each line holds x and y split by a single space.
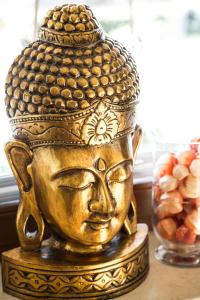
44 274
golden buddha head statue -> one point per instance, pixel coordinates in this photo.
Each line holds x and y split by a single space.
71 99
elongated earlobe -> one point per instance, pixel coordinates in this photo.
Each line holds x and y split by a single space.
130 222
19 157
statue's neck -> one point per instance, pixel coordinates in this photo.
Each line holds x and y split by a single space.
72 246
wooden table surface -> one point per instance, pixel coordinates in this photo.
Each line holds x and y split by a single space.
162 283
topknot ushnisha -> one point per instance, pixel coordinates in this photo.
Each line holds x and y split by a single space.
72 71
70 18
71 25
49 78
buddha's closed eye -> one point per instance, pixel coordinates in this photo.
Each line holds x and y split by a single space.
76 179
120 173
76 188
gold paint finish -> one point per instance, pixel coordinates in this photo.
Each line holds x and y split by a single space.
42 64
103 276
72 97
101 165
105 195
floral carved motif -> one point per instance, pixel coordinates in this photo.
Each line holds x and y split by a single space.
100 127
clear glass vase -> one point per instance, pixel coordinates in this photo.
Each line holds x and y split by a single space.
176 202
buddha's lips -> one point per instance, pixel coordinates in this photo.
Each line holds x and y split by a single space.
99 224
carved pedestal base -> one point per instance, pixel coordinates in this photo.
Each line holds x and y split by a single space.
53 275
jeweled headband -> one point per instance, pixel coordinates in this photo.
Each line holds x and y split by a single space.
73 86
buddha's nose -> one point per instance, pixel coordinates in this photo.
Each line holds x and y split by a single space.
102 201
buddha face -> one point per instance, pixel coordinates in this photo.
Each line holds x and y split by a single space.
84 193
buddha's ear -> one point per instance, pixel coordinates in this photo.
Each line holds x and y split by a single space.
136 140
130 222
19 157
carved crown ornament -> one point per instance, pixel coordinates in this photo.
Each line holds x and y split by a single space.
73 85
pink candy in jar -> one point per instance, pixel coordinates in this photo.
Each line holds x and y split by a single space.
177 199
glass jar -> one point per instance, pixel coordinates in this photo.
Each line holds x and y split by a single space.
176 202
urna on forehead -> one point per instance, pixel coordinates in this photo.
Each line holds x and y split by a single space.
74 86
